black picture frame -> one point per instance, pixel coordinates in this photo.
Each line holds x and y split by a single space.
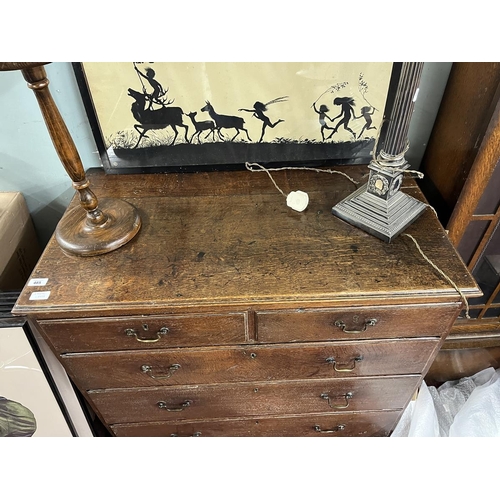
218 154
53 407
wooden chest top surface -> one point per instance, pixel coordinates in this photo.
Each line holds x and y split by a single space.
225 239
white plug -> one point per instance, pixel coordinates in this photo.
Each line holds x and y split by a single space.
297 200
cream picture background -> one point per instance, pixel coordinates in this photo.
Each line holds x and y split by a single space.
22 380
230 86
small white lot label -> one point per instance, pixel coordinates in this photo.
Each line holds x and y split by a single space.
40 295
38 282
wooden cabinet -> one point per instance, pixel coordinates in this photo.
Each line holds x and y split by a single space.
229 314
462 166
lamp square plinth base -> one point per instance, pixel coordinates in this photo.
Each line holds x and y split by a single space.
385 219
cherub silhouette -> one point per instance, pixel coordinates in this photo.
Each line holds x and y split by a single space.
347 112
322 115
366 112
258 111
158 92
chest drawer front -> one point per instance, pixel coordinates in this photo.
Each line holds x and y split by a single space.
266 398
145 332
369 424
355 323
252 363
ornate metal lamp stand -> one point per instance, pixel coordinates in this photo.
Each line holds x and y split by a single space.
95 227
379 207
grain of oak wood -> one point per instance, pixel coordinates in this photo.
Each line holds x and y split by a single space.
195 330
221 238
239 364
264 398
365 424
226 290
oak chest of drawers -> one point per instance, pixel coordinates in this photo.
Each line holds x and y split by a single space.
229 314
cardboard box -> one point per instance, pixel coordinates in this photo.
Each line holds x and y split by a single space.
19 247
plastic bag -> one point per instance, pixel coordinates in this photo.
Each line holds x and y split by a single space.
480 414
469 406
420 417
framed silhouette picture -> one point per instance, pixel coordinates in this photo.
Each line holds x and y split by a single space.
160 117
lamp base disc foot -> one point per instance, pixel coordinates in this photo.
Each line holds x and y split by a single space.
77 236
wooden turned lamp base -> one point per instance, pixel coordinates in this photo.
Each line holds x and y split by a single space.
97 226
76 235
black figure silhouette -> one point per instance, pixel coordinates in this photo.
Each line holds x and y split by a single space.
258 111
366 113
201 126
225 121
347 112
322 115
154 97
150 119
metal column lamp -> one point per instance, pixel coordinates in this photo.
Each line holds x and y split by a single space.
95 227
379 207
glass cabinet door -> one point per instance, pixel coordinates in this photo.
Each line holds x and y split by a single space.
480 249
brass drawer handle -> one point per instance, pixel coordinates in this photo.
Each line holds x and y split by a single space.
195 434
333 361
346 396
132 333
367 323
340 427
164 406
148 370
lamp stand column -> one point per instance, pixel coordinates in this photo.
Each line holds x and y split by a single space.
102 226
379 207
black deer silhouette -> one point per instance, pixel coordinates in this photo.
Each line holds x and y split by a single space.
151 119
225 121
201 126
